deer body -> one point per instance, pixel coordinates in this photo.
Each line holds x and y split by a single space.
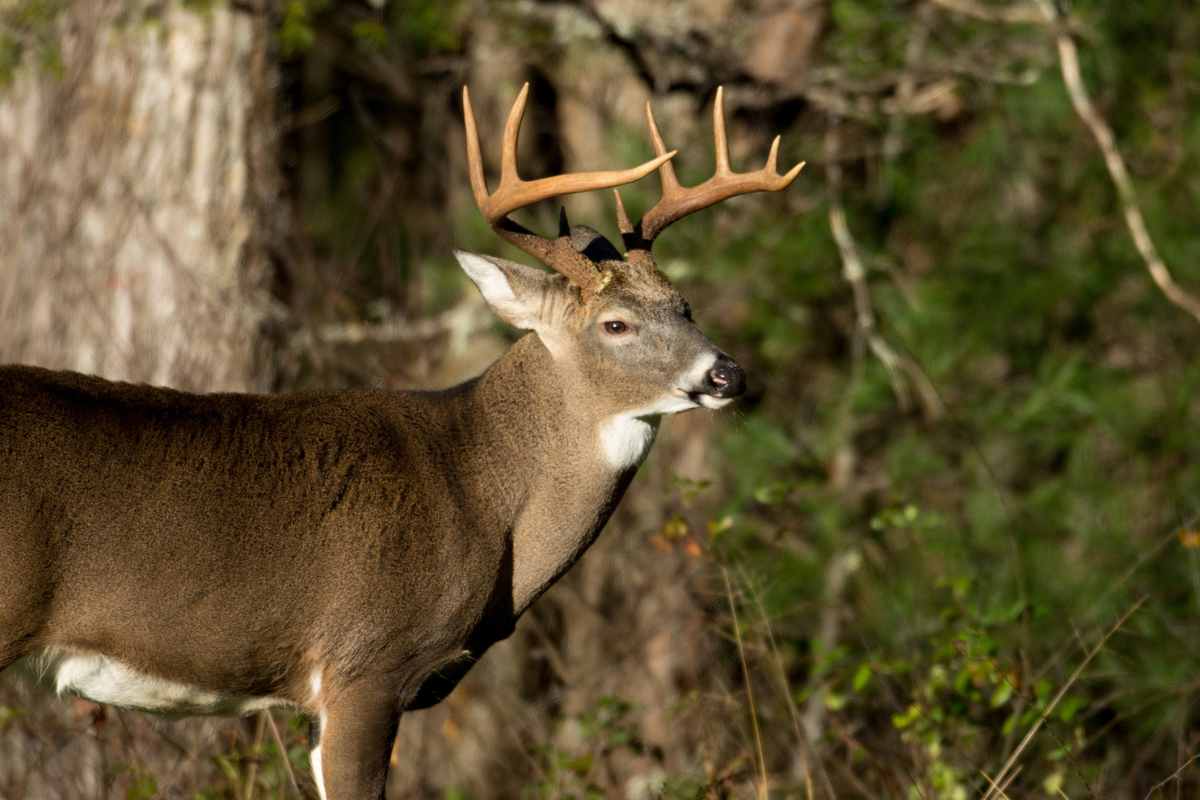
262 525
347 554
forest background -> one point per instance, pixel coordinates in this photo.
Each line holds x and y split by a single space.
948 546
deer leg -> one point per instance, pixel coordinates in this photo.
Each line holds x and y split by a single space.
353 741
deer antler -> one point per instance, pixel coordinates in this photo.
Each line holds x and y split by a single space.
514 193
678 202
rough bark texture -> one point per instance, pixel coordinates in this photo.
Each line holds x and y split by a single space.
135 195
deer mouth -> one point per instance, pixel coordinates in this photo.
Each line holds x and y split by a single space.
701 399
713 402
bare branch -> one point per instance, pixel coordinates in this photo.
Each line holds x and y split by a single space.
906 88
895 363
1069 59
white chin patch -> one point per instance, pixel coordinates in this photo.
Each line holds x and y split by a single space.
708 401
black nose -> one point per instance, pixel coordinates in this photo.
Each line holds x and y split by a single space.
725 379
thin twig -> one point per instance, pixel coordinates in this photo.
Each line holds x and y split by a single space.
287 762
1049 729
256 752
762 764
1061 693
1014 14
997 787
801 741
914 49
1172 776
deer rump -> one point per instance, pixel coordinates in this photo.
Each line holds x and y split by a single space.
212 554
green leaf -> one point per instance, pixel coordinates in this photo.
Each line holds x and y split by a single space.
862 677
1052 785
1066 711
298 756
580 765
907 718
228 768
371 34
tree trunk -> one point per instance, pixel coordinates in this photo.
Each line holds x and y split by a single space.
137 193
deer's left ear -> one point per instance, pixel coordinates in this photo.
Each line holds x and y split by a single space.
512 290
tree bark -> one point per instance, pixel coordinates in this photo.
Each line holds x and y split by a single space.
138 195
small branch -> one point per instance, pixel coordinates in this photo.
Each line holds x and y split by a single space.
1172 777
460 322
843 564
914 49
283 753
895 363
1069 58
1044 13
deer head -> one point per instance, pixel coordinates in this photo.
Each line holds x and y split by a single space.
613 319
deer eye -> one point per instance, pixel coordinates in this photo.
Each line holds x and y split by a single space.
614 327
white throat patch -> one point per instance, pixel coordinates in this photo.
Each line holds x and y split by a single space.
626 439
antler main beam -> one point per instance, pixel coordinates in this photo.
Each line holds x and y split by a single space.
677 202
514 193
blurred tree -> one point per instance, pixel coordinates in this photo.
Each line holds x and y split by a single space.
139 198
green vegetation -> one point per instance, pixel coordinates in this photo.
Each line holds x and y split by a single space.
1001 540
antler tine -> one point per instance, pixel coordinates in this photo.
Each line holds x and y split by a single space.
666 172
677 202
474 155
508 150
514 193
623 223
721 142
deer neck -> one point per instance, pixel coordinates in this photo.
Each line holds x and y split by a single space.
551 472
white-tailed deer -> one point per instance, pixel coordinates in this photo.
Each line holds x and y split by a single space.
350 554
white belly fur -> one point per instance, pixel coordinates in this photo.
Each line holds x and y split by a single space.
102 680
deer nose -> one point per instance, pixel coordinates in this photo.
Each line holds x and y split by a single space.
726 378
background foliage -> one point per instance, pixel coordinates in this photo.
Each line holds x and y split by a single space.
955 522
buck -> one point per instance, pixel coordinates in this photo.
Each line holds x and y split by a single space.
349 555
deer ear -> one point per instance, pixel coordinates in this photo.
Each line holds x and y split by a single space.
512 290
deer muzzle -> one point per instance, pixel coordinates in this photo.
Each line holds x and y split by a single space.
725 379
